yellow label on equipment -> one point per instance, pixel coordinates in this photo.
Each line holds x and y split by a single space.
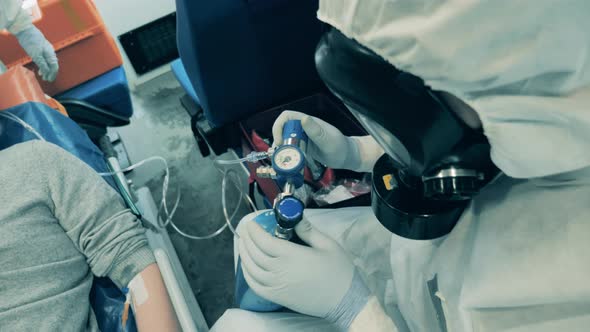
388 181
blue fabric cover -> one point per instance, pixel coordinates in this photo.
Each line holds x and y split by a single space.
110 301
109 91
182 77
106 299
246 56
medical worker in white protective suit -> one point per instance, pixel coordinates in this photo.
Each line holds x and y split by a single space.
519 257
19 23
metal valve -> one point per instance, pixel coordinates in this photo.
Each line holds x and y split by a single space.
266 172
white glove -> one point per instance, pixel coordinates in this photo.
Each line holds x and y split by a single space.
329 146
319 280
41 51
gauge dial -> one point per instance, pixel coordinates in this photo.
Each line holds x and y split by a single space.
288 158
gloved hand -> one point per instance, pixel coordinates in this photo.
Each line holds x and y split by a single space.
41 51
319 280
329 146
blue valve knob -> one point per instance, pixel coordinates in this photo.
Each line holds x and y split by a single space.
294 129
289 212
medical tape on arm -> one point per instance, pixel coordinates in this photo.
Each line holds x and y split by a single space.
139 293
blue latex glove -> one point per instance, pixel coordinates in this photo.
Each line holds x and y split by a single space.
2 68
319 280
41 51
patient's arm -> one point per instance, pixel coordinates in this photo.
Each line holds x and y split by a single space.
152 307
110 237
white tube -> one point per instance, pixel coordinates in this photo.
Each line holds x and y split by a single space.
14 118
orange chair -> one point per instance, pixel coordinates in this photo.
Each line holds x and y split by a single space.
84 47
19 85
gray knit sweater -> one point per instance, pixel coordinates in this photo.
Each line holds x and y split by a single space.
60 223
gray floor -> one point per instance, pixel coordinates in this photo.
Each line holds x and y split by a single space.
160 126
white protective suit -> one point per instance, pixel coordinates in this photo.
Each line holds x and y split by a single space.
516 261
12 17
518 258
511 61
19 23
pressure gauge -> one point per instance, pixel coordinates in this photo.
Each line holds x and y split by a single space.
288 160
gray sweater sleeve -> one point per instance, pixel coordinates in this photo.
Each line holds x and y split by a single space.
93 216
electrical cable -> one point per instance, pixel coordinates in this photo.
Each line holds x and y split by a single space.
228 218
229 176
226 175
14 118
251 158
164 210
165 186
219 230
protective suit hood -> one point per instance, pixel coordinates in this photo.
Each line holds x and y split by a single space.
527 76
